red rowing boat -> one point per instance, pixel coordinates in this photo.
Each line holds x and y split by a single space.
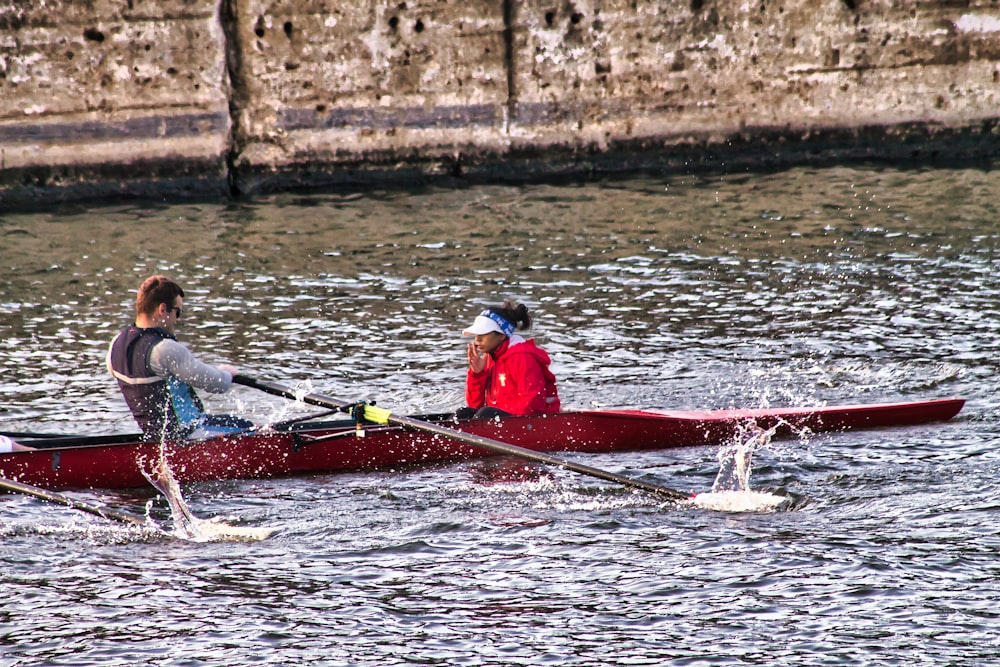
62 462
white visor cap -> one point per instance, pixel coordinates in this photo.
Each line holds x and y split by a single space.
482 325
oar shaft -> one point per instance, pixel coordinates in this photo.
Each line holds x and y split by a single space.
468 438
27 489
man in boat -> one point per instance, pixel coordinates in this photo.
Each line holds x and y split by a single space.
507 375
157 375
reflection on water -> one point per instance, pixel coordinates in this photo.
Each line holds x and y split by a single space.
800 287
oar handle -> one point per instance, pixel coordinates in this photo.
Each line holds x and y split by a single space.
277 389
468 438
268 387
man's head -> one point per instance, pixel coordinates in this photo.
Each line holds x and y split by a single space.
159 300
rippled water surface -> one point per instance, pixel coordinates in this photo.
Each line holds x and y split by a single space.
802 287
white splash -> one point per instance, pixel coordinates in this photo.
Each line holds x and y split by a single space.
734 459
187 525
731 490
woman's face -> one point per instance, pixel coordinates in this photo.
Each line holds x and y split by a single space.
488 343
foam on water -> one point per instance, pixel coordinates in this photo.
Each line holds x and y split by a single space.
740 501
731 490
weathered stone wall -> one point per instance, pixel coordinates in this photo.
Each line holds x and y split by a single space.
136 95
106 95
369 85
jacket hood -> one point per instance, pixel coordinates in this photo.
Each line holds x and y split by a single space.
523 346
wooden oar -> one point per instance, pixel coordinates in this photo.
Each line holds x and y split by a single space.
27 489
468 438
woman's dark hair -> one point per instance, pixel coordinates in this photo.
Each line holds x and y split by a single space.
516 315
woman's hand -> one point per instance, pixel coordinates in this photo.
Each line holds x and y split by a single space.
477 359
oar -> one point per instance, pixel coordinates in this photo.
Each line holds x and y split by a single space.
27 489
468 438
28 434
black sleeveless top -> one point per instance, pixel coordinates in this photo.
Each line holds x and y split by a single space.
147 394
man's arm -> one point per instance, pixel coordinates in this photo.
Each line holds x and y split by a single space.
168 357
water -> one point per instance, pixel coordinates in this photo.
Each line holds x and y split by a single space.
801 287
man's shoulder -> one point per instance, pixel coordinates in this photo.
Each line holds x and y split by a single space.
170 345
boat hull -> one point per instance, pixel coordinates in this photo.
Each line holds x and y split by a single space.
118 462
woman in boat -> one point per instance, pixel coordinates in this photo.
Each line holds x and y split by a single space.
157 374
507 375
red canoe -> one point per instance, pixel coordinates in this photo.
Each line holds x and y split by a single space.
116 461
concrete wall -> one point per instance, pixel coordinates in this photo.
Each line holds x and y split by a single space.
111 96
173 96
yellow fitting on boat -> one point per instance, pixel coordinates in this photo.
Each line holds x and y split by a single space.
377 415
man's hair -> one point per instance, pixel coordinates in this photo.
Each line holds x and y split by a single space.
154 291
